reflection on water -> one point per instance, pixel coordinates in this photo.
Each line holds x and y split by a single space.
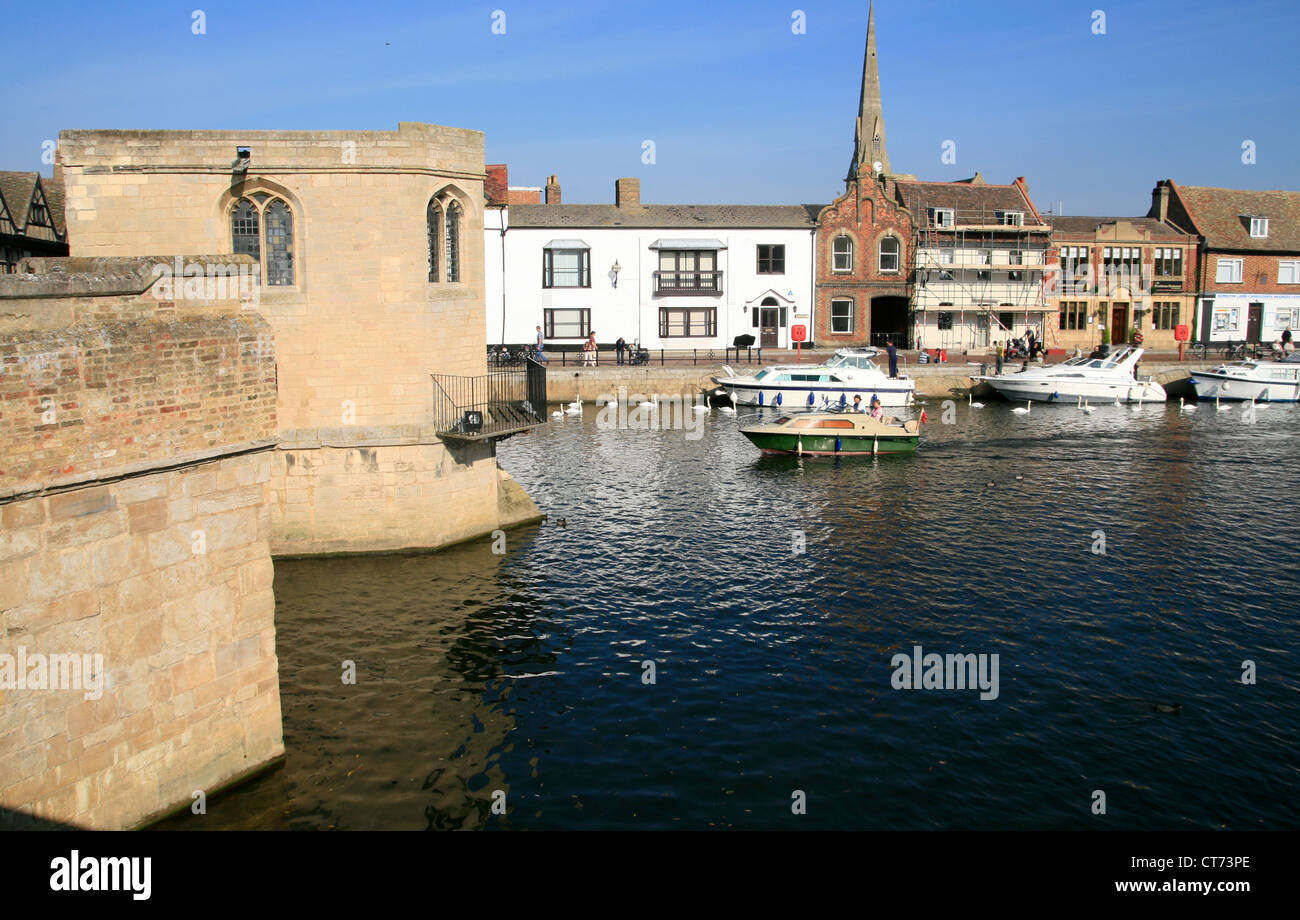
523 673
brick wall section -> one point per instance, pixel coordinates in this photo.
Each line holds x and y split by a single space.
132 383
865 213
1253 265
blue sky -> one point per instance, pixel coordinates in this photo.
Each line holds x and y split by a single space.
741 109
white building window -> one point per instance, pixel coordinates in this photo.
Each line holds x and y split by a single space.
945 256
1259 227
1288 271
1011 218
1228 271
842 252
841 316
940 217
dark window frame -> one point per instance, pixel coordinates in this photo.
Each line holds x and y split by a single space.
774 258
584 269
548 322
710 322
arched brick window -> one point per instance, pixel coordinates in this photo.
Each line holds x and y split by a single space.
889 253
842 254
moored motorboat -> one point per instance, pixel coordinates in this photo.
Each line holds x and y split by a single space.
833 434
1262 381
850 372
1113 377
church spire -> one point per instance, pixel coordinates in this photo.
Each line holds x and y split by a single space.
869 139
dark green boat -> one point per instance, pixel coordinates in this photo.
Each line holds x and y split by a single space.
828 434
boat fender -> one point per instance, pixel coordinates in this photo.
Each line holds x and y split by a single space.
798 446
843 398
810 398
837 444
760 397
777 401
1055 396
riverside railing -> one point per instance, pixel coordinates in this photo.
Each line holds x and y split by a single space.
493 405
607 356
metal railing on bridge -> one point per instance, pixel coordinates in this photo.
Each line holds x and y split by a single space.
494 405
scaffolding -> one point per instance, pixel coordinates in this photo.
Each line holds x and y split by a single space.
991 260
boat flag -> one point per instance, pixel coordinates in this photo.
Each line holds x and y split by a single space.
922 416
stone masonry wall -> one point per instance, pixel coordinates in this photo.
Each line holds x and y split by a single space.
135 467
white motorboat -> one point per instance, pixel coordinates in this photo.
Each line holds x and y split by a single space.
1262 381
1091 379
850 372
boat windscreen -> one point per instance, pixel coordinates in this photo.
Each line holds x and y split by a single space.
836 361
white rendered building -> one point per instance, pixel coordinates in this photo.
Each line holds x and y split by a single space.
667 276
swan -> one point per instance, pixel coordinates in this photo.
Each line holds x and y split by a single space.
1084 407
575 408
1025 411
970 401
1259 405
703 407
1137 406
1218 407
1117 402
578 404
727 410
1184 407
646 404
557 414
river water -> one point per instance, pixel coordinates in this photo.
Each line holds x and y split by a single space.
523 674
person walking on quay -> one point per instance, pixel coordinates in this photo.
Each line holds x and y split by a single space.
589 351
893 359
999 355
620 346
1286 339
541 340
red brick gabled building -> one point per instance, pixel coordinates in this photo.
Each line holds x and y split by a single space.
864 237
1249 265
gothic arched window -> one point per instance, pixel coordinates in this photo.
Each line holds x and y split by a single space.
452 248
277 220
262 227
434 220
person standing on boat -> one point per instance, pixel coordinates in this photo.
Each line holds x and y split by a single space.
877 411
893 359
999 354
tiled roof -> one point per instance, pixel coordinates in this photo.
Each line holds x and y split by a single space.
969 199
17 189
54 198
665 216
1087 226
1222 215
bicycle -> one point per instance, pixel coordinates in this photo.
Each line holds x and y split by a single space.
638 356
1235 351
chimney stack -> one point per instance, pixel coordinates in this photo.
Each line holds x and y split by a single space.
496 183
552 189
1160 202
627 193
